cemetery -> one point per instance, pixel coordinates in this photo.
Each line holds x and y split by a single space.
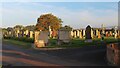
73 34
60 33
48 35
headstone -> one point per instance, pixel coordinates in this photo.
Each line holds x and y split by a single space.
64 35
72 33
111 33
92 35
31 34
22 33
96 32
115 33
80 34
99 35
118 34
44 36
37 33
103 28
83 33
27 33
75 34
88 34
36 39
107 34
41 38
17 33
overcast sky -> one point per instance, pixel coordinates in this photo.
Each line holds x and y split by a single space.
75 14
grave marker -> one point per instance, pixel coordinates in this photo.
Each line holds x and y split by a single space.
64 35
88 34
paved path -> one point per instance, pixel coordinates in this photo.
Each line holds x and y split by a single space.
87 56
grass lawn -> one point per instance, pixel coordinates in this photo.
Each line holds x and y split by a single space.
25 45
75 43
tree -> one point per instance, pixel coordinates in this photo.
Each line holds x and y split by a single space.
66 27
20 27
9 29
113 30
46 20
30 27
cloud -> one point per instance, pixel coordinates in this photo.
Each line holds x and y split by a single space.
75 18
12 17
80 19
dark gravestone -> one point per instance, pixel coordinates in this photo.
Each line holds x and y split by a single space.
88 37
22 33
19 35
88 32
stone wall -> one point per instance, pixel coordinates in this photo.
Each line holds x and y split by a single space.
113 53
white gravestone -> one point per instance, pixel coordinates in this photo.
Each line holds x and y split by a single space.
64 35
41 38
31 34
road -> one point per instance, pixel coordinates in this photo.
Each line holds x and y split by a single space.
87 56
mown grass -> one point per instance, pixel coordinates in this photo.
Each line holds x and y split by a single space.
75 43
21 44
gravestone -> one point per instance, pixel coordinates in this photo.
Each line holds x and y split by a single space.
41 38
64 35
17 32
19 35
84 33
99 35
107 34
88 34
37 33
75 34
97 32
92 33
27 33
31 34
115 32
80 34
72 33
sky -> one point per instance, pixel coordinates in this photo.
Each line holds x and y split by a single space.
76 14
